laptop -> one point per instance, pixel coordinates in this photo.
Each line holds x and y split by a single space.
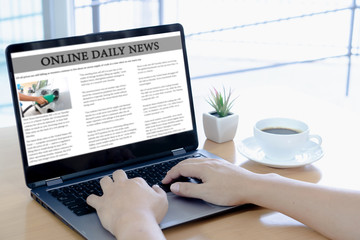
114 100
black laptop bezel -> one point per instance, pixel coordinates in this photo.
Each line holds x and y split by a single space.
111 158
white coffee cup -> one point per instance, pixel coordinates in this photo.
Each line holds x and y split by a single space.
282 138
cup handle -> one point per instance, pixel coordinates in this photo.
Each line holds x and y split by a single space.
317 139
312 139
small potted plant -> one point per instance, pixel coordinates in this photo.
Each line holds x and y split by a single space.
220 125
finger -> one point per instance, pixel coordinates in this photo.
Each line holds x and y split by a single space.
158 190
119 175
197 160
139 180
43 100
186 170
93 200
105 183
193 162
186 189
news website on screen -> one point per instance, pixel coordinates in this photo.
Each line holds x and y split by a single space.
104 94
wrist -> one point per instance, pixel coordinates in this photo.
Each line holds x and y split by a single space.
259 185
137 225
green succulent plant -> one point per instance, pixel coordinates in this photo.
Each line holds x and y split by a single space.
221 102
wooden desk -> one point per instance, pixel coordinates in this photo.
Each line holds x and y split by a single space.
23 218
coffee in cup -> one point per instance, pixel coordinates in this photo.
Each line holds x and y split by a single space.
282 138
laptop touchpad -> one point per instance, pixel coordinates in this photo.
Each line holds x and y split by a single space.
183 210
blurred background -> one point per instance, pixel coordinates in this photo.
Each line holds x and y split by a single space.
310 45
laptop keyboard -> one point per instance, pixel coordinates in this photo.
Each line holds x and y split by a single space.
74 196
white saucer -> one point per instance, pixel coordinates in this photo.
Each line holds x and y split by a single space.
251 149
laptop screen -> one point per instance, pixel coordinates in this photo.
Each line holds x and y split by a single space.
95 100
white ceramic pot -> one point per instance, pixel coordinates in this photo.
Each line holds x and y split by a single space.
220 129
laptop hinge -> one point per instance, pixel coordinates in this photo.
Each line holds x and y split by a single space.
178 151
53 181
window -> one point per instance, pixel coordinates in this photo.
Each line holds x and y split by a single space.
110 15
276 33
243 35
26 17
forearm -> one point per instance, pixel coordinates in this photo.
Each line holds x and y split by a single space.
39 99
334 213
24 97
138 226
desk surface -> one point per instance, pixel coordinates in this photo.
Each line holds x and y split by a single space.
23 218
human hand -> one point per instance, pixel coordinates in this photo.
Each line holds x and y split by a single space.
41 100
128 203
222 182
